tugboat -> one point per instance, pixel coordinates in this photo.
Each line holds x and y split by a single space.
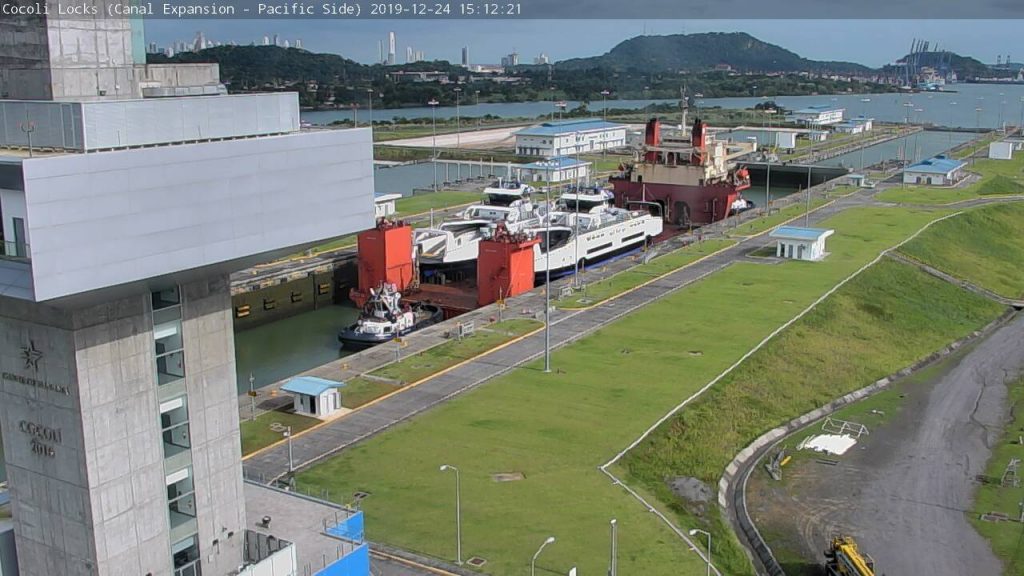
385 317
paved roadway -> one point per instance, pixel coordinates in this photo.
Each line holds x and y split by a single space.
566 326
915 477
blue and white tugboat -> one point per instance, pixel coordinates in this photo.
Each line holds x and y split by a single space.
385 317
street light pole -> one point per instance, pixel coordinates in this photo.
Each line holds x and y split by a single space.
547 278
458 119
477 93
369 96
458 511
613 567
433 143
604 104
288 435
533 562
696 531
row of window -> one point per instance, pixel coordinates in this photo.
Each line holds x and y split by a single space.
169 348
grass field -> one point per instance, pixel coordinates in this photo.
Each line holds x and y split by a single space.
257 433
555 429
361 390
450 353
602 290
984 246
1006 538
863 332
767 222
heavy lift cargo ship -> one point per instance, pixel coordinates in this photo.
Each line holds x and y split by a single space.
693 179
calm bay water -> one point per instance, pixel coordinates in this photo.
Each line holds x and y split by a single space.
998 104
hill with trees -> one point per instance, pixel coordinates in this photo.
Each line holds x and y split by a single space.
698 52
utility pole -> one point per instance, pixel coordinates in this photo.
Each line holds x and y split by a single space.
807 214
252 395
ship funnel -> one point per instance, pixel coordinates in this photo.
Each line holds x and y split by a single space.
652 136
698 137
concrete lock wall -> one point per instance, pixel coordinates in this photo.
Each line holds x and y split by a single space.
258 307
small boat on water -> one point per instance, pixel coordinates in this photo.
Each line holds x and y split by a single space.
385 317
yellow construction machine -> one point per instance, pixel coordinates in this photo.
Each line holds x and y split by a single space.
843 559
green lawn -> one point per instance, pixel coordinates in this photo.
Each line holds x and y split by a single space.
767 222
421 203
359 391
258 434
1006 538
450 353
555 429
984 246
603 289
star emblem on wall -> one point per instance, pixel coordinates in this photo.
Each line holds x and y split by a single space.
31 355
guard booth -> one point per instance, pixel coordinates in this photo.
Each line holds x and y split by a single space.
800 243
317 397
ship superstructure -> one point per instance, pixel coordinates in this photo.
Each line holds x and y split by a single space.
692 177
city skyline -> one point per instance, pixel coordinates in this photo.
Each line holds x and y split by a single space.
872 43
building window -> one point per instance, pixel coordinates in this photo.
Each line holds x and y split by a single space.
167 336
174 426
186 557
181 499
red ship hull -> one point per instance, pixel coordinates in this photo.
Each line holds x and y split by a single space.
680 204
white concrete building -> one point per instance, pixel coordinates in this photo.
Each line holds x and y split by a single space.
818 115
568 137
384 205
937 171
799 243
555 170
1002 150
316 397
118 401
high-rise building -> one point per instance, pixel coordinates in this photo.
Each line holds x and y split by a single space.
266 40
541 60
277 40
200 42
465 55
510 60
118 402
409 55
391 48
419 56
298 43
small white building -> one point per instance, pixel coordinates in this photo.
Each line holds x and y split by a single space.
799 243
564 138
937 171
818 115
817 135
786 140
562 169
384 204
317 397
1000 150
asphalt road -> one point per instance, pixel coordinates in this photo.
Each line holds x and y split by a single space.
910 506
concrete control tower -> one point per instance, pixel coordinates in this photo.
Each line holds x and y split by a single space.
121 219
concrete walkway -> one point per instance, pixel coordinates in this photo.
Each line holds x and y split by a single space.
567 326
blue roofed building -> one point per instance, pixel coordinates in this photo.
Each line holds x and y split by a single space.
561 169
818 115
800 243
314 396
937 171
568 137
